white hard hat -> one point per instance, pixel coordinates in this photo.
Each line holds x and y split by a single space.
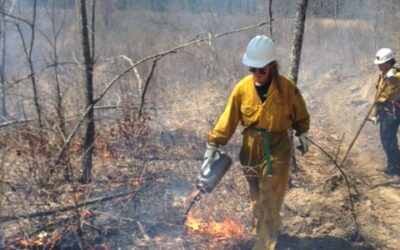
383 55
260 51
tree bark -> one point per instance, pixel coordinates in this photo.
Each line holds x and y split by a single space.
298 40
53 42
28 50
295 59
271 35
89 125
3 109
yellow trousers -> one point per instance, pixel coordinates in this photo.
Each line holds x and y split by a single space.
267 193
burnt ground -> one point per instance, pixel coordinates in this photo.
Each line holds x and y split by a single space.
317 213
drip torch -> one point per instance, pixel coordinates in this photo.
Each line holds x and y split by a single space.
211 172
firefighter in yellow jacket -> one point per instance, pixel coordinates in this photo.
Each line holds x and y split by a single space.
267 104
386 111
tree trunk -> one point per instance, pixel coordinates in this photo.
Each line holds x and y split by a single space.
32 70
3 108
59 96
271 35
337 6
298 40
295 58
89 125
28 50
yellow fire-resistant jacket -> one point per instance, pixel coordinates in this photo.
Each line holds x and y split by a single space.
387 90
279 112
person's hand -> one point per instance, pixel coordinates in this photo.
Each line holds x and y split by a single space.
210 150
374 120
391 73
304 143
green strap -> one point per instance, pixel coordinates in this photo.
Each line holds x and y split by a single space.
267 153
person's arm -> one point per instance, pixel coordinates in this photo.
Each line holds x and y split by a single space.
301 119
227 122
393 88
374 111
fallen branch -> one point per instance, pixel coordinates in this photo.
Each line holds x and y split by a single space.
339 167
9 123
65 209
144 234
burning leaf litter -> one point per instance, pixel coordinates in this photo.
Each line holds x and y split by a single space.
227 229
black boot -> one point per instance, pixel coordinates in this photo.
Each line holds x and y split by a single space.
390 170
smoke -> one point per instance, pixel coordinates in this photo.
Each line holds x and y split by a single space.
342 35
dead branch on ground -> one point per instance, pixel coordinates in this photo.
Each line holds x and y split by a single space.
67 208
146 180
339 167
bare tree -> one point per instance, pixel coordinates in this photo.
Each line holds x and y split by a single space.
28 47
2 58
337 6
270 19
298 39
53 42
88 62
296 54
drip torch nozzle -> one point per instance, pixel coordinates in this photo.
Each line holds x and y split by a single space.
211 172
196 198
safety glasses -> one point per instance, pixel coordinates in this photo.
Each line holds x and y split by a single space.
259 70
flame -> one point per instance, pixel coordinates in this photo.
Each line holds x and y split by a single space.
136 182
105 153
226 229
193 193
103 146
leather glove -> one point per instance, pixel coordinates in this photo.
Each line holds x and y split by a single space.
210 150
391 73
304 143
374 120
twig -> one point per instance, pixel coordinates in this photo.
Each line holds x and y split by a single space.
136 72
140 226
9 123
153 66
29 76
50 225
338 149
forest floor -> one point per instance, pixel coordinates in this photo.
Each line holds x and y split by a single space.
320 212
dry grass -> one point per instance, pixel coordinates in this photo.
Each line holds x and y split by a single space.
186 96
